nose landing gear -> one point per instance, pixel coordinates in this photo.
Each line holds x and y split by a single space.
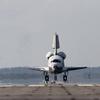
55 78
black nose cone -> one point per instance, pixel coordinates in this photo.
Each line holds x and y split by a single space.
55 67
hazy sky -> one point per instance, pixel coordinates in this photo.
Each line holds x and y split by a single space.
27 26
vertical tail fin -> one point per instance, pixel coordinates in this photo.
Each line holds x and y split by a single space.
56 44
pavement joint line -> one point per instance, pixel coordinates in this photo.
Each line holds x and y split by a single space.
35 90
66 90
50 89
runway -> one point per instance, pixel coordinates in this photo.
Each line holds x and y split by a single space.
51 92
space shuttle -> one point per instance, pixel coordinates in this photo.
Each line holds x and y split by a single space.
56 62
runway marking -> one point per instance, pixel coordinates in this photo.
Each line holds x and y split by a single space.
85 84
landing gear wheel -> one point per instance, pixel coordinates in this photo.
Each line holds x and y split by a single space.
47 78
64 78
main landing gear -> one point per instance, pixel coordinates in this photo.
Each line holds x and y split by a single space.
65 77
46 77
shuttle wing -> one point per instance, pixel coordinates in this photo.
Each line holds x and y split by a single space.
66 69
44 69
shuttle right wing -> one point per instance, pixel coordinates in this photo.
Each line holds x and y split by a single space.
66 69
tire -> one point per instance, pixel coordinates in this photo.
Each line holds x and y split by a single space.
47 78
64 78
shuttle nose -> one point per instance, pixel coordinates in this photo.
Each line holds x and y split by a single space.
55 66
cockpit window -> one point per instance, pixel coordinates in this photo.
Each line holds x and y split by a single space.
56 60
